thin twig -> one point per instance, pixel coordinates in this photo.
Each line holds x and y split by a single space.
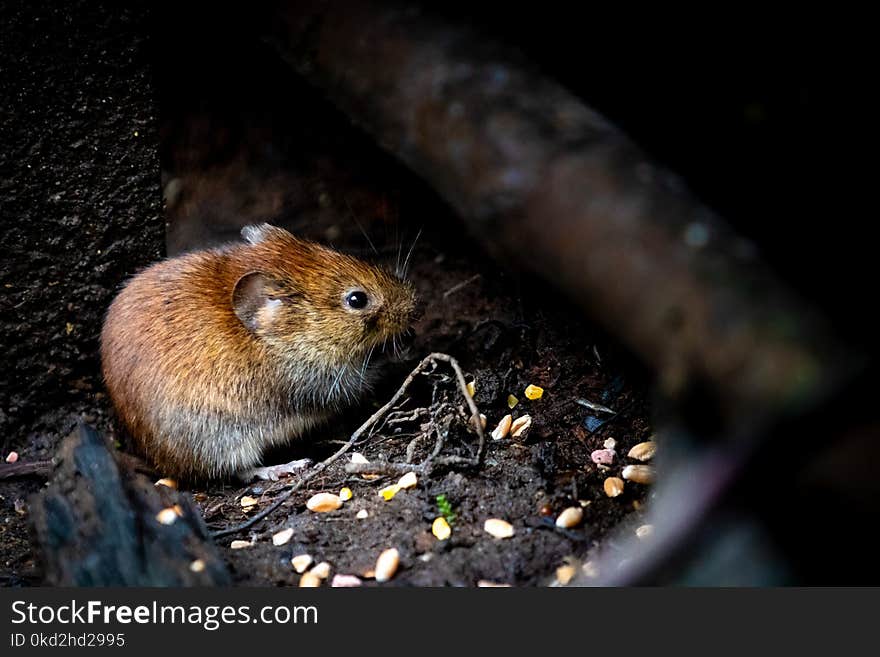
375 417
31 468
460 286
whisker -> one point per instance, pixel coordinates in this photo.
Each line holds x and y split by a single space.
406 261
358 224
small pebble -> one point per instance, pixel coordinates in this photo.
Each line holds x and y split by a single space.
12 457
363 513
610 443
345 581
512 402
408 480
197 566
322 570
239 545
603 456
644 531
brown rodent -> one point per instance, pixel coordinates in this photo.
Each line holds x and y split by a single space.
214 356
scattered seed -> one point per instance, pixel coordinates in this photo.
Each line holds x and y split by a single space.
167 516
168 483
644 531
363 513
564 574
641 474
512 402
486 584
603 456
643 451
247 502
322 570
12 457
345 494
498 528
386 565
282 537
309 580
441 529
570 517
178 510
610 443
534 392
613 486
20 507
520 425
585 503
408 480
197 566
323 502
546 510
345 581
301 562
389 491
503 428
471 388
239 545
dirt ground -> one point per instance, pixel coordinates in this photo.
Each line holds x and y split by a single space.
282 154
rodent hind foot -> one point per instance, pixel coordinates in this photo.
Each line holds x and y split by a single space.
275 472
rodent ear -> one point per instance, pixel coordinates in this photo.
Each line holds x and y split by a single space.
251 300
260 232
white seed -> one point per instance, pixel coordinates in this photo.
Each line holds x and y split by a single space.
520 425
197 566
610 443
345 581
168 483
643 451
322 570
503 427
323 502
282 537
309 580
248 502
345 494
613 486
641 474
486 584
408 480
363 513
570 517
167 516
498 528
386 565
644 531
301 562
564 574
239 545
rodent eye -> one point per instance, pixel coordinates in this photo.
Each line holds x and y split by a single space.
357 300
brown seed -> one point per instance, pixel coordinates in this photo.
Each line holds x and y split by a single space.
571 517
323 502
643 451
641 474
386 564
613 486
503 427
520 425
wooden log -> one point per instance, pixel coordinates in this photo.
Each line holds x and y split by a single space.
96 524
546 182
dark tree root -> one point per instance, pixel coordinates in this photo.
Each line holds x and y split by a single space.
434 461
